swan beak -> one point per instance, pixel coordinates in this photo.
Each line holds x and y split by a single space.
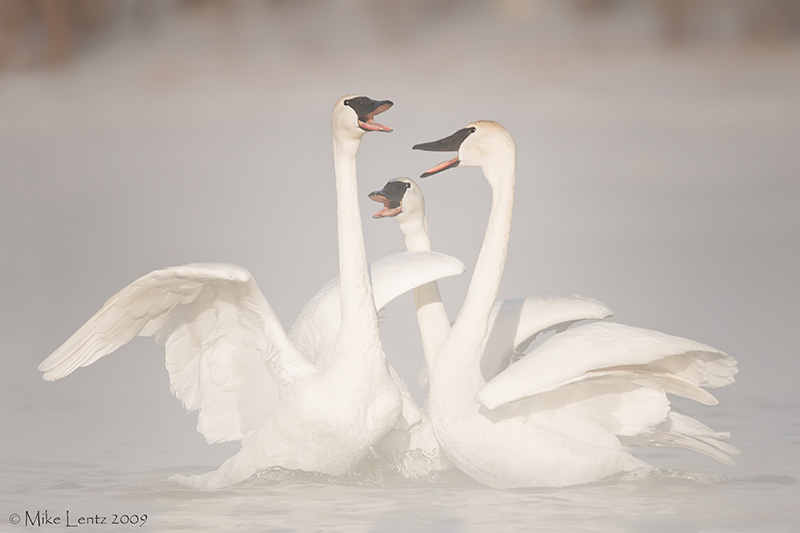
391 196
448 144
444 165
366 109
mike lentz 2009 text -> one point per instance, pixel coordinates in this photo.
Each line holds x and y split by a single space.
45 518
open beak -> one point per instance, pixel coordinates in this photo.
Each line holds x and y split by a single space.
367 122
451 143
366 109
391 196
444 165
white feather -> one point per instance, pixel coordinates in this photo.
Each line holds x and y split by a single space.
202 313
580 352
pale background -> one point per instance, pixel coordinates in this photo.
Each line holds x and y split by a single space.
658 152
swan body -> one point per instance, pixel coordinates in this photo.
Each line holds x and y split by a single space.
229 357
569 411
512 326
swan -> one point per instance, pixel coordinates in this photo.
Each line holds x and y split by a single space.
570 411
229 357
418 452
513 323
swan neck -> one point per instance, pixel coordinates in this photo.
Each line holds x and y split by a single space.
357 303
470 327
416 234
434 324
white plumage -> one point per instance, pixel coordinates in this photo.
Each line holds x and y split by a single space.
314 402
570 410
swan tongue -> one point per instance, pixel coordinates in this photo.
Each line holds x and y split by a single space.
444 165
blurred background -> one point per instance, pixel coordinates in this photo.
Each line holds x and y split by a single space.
657 171
50 32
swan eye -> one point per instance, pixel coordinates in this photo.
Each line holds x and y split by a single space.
473 129
346 102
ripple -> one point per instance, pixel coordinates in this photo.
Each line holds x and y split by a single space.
658 474
769 479
66 484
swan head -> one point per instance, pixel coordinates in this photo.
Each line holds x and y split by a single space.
401 198
354 115
485 144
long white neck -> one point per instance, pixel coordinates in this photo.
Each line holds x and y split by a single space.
463 347
434 325
359 329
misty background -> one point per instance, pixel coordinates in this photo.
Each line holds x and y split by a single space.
658 148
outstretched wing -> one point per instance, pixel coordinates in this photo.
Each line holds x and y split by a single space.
226 352
605 351
317 325
514 323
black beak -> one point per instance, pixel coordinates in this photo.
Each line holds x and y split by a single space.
366 109
393 191
448 144
391 196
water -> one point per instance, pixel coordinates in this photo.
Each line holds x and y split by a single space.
108 472
659 500
663 183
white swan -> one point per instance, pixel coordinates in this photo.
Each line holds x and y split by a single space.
568 412
418 452
228 356
513 323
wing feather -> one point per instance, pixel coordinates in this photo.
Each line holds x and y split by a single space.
584 351
514 323
221 342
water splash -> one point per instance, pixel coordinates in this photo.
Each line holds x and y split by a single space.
660 474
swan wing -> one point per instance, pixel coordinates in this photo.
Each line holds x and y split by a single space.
317 325
683 431
637 415
226 352
616 353
514 323
396 274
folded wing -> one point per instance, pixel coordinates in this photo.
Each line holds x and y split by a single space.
514 323
606 350
606 378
